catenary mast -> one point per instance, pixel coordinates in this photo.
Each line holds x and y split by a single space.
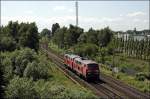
76 5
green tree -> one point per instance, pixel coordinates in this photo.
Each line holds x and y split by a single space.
7 43
46 32
86 50
104 36
91 36
15 35
82 38
12 30
59 37
72 35
30 38
54 28
103 52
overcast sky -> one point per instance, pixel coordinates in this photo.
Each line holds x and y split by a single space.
118 15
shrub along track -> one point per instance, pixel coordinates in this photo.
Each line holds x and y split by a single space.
108 87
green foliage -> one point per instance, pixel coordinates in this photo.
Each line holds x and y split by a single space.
57 90
92 36
147 75
131 80
7 43
46 33
139 49
7 69
72 35
15 35
14 63
21 58
89 37
30 37
37 70
55 48
103 52
25 62
2 83
54 28
141 76
59 37
100 37
104 36
65 38
86 49
20 88
32 86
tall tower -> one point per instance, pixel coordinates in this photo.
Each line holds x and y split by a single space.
76 4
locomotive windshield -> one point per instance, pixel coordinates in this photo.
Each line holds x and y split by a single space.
93 66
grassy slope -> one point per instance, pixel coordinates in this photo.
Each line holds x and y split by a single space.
136 64
143 86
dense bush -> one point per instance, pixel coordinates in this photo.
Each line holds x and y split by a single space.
58 91
147 75
26 88
7 43
7 69
21 58
25 62
140 76
36 70
1 78
20 88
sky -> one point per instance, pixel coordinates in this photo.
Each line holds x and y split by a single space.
118 15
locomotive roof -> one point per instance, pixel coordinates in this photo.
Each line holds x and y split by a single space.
72 55
85 61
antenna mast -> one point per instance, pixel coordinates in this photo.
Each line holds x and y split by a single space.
76 4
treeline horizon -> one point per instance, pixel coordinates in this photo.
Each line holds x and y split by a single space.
16 35
120 31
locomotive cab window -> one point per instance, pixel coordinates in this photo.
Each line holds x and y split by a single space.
93 66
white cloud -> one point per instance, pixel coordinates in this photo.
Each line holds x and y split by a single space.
146 21
43 22
70 10
56 8
121 15
135 14
29 12
136 20
109 19
99 20
63 8
84 21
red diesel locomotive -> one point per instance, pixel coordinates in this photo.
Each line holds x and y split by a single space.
86 68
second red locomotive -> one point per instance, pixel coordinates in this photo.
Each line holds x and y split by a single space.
86 68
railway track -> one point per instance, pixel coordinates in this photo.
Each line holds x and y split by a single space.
108 87
124 88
